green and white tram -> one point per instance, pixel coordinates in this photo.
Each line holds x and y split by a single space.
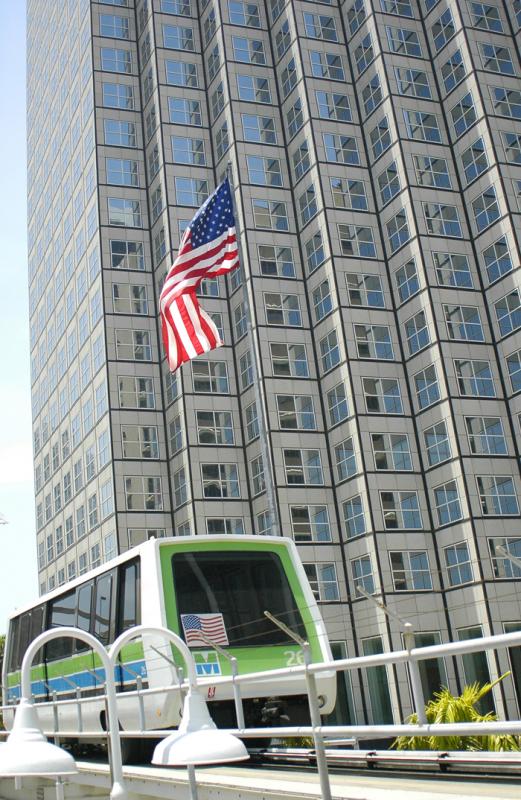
222 581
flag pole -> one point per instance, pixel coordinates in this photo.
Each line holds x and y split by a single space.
262 413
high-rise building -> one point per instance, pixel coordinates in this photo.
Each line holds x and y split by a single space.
376 152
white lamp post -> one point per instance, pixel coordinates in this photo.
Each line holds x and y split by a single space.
198 740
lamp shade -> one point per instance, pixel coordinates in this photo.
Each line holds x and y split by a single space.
199 747
27 752
198 741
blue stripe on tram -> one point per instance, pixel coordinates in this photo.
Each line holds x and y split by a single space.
123 673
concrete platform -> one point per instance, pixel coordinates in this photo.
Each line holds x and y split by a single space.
243 783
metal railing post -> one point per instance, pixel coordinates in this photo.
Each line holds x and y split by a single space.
314 710
316 722
141 702
414 674
237 698
55 716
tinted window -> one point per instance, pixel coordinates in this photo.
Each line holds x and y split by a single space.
103 608
129 596
14 630
83 612
62 611
240 586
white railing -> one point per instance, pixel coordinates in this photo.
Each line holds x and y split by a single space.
410 657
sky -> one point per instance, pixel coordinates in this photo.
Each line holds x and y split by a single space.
18 575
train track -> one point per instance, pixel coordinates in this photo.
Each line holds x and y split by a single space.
494 765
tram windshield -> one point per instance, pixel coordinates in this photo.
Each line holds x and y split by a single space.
240 586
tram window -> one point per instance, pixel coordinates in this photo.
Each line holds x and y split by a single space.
62 612
14 630
37 620
25 633
129 613
240 586
83 613
103 608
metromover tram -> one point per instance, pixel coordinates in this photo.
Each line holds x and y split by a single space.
218 583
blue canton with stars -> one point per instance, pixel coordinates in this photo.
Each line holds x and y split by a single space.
214 217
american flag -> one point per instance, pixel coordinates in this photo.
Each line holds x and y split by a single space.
211 625
208 248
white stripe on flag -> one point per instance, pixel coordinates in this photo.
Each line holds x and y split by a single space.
181 328
196 322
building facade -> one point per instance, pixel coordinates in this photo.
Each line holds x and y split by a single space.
376 154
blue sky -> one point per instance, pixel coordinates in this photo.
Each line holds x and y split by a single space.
18 578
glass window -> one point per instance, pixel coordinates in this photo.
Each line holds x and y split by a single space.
389 183
485 436
506 102
463 323
463 114
326 65
407 280
447 503
345 459
341 149
254 89
437 443
432 171
365 290
427 387
380 138
417 333
382 395
453 71
410 571
496 58
184 111
404 41
485 16
458 564
333 106
474 378
391 451
177 37
210 377
422 126
514 370
503 567
240 585
412 82
323 581
374 341
310 523
497 496
220 481
362 572
474 160
442 220
289 360
303 467
443 30
329 351
356 240
214 427
397 230
496 259
401 510
296 412
486 209
508 313
354 517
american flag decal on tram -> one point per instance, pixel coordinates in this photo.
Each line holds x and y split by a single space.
208 248
210 625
